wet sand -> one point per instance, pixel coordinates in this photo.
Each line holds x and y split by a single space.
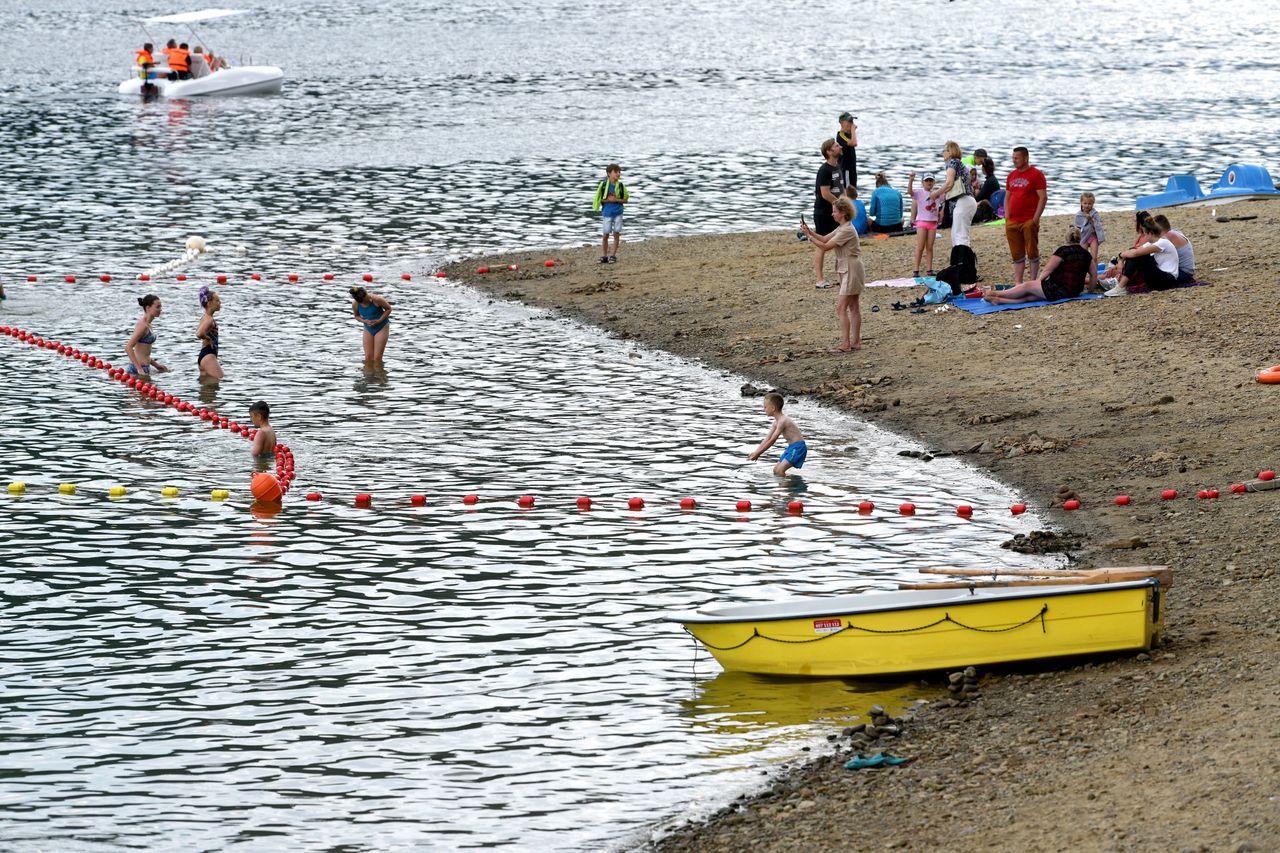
1179 749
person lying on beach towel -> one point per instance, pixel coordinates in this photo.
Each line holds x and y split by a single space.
1065 276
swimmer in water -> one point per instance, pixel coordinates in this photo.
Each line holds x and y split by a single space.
264 443
207 332
138 349
372 311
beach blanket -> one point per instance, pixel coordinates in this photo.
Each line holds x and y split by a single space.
982 306
897 282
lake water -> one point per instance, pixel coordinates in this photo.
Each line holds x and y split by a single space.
188 673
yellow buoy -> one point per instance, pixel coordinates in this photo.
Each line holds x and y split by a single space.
117 491
17 488
169 492
220 494
67 488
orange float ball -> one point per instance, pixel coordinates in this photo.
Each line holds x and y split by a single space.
367 277
265 487
796 507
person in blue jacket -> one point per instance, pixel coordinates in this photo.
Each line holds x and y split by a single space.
886 207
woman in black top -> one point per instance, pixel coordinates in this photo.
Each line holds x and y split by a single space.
1064 277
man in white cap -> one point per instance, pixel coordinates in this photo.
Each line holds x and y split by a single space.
847 136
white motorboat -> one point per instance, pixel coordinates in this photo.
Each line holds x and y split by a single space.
204 82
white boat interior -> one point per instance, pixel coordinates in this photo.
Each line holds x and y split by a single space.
201 80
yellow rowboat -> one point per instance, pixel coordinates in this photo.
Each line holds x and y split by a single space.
881 633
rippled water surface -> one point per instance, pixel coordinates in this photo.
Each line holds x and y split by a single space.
184 673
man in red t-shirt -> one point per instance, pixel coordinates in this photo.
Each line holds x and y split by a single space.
1024 198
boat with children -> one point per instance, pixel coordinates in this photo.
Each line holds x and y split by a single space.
200 78
930 626
1238 183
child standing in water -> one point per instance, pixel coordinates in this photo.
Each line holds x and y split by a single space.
924 216
797 450
1090 224
264 443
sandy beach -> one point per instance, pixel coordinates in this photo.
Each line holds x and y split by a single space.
1176 750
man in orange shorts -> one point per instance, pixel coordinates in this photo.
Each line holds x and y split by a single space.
1024 199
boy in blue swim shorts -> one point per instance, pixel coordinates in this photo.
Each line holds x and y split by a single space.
797 450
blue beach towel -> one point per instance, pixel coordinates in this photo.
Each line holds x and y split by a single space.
982 306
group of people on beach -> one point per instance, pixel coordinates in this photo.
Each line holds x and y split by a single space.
970 193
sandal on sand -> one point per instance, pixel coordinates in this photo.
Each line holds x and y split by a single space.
822 285
841 348
897 306
917 310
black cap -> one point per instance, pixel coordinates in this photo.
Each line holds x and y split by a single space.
847 116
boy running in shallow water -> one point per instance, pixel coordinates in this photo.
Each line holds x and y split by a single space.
797 450
264 443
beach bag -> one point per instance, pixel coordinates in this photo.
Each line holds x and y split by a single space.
962 270
961 185
938 292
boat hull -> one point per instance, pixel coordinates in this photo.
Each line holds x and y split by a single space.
229 82
846 637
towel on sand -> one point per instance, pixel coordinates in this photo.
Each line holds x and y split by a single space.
897 282
982 306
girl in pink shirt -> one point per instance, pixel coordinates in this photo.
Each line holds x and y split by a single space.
924 215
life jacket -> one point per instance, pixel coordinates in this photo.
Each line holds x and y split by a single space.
144 58
179 59
618 190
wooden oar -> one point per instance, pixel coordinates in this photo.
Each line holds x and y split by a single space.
1163 574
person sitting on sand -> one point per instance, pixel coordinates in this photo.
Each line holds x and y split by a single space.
1069 270
1156 262
886 207
850 274
797 451
1111 275
1186 255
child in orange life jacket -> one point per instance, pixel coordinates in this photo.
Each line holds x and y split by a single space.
611 195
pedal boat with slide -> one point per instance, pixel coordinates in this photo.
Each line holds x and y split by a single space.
933 626
231 81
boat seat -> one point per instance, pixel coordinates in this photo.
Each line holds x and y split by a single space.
1179 189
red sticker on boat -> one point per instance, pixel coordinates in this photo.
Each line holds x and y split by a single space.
826 626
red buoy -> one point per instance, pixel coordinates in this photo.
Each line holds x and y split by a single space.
256 277
1123 500
482 270
1018 509
1239 488
293 276
313 496
1213 493
222 279
907 509
71 279
584 502
144 277
1266 475
964 510
866 507
32 278
548 263
743 506
181 277
688 503
328 276
367 277
104 277
524 501
364 499
1169 494
418 500
635 503
404 276
442 274
470 499
795 507
513 267
1203 494
1071 504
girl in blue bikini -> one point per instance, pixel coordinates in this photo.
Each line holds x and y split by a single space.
207 332
372 311
138 349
